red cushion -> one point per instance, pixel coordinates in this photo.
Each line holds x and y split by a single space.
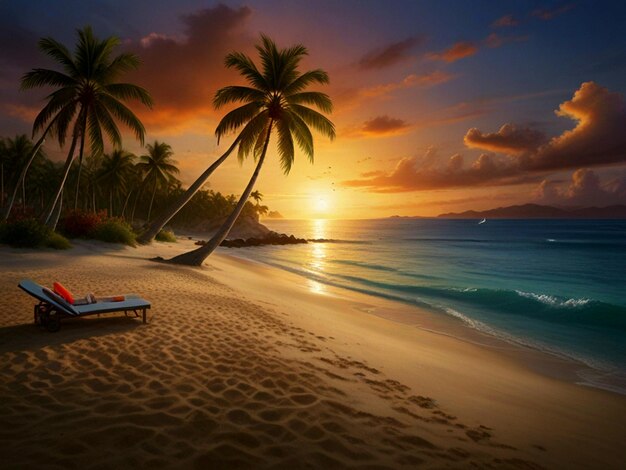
63 292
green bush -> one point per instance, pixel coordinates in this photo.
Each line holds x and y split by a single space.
24 233
115 231
165 236
57 241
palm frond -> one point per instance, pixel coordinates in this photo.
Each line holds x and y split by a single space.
121 112
63 120
60 54
303 135
236 118
250 132
104 118
129 91
125 62
95 133
57 101
285 145
233 94
318 121
38 78
320 100
307 78
246 67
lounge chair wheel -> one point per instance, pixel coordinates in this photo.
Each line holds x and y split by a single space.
53 322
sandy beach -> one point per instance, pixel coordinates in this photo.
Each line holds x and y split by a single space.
246 366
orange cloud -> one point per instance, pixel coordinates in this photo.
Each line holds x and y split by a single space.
384 125
423 174
182 74
390 54
508 139
597 139
456 52
352 97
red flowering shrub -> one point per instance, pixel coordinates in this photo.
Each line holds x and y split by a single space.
81 224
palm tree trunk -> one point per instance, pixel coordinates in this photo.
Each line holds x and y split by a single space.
66 170
137 196
57 213
155 227
152 198
80 158
24 195
22 177
197 256
126 202
2 170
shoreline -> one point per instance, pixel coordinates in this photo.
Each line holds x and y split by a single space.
539 358
369 365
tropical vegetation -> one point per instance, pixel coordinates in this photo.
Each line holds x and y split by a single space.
87 100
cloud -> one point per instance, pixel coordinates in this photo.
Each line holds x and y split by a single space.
182 73
505 21
456 52
508 139
390 54
352 97
384 125
598 139
548 14
423 173
495 40
584 189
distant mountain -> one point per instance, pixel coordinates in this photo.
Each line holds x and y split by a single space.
536 211
274 215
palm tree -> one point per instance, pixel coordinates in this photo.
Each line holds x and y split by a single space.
115 173
19 152
88 97
257 196
274 100
155 227
158 167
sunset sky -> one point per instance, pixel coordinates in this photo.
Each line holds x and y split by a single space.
439 106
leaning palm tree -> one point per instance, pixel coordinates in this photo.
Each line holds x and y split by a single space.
158 167
274 100
88 97
155 226
115 173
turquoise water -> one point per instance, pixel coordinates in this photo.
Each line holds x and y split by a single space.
554 285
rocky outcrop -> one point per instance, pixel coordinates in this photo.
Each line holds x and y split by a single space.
245 227
271 238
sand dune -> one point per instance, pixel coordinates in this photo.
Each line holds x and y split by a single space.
216 379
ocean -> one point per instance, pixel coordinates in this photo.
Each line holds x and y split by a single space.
558 286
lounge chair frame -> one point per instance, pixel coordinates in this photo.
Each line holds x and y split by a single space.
49 312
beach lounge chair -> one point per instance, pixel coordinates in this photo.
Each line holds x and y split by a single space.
52 307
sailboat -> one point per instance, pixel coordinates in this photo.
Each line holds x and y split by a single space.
482 221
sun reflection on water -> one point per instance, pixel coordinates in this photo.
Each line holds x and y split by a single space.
318 254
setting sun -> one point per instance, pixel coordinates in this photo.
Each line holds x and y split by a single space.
321 204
